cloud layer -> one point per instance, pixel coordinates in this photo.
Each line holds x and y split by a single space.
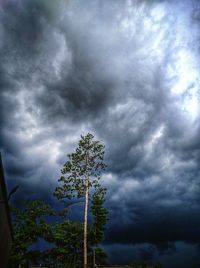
126 71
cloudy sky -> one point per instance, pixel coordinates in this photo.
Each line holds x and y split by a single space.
128 72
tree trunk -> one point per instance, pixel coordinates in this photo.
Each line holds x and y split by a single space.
86 213
94 249
94 258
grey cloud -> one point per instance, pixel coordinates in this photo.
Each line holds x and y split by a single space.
109 68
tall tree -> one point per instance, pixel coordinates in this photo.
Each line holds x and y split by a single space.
81 172
99 213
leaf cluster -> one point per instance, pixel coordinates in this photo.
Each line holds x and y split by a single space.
85 163
99 213
29 224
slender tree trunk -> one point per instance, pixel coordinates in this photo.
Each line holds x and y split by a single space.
86 213
94 249
94 257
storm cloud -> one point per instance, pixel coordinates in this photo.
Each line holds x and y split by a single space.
127 71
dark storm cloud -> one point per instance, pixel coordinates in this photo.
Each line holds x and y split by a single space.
185 256
157 227
126 71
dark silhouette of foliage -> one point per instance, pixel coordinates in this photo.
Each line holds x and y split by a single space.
68 245
29 224
99 213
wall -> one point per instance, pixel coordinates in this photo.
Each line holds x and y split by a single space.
5 222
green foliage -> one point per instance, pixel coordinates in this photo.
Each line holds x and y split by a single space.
66 238
75 169
101 256
29 224
99 215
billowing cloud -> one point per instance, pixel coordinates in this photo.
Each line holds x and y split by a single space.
127 71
